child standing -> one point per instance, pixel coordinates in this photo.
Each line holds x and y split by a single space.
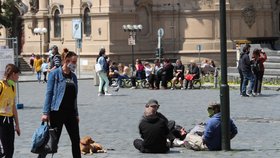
45 69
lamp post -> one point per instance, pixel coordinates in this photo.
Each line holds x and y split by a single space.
132 29
40 31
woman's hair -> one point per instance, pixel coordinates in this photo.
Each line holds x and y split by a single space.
102 51
70 54
9 70
256 52
38 56
65 51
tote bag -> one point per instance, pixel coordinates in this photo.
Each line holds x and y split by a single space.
98 67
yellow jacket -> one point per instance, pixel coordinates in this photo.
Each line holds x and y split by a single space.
7 99
37 64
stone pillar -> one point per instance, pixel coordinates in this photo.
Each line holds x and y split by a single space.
43 5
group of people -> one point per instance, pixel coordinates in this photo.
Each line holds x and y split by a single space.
156 131
155 74
45 64
251 69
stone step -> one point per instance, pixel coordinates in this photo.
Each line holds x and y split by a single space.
273 59
235 77
270 65
272 72
23 65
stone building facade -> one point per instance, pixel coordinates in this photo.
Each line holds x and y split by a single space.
186 24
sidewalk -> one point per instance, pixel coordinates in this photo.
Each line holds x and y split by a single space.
31 77
113 120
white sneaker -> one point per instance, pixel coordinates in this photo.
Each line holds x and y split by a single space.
100 94
107 94
172 88
133 88
114 84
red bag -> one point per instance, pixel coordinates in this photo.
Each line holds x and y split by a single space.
189 77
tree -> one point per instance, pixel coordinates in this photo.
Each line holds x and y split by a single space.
8 14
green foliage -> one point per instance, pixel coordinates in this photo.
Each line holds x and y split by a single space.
8 13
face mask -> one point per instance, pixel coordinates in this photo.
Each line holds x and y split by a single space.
11 82
72 67
210 112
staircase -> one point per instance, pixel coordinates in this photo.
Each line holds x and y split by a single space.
23 65
272 64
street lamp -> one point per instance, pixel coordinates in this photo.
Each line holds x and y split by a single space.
132 29
40 31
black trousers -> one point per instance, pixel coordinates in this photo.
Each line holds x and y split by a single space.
45 76
60 118
7 135
258 82
241 80
138 144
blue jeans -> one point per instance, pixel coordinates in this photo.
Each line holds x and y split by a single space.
103 79
120 77
246 77
39 76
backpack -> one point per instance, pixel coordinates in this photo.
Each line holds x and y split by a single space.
40 138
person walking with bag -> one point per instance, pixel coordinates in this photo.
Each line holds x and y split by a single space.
60 107
8 111
103 73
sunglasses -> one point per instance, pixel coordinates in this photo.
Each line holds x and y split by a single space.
153 106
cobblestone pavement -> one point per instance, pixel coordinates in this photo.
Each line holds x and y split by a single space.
113 120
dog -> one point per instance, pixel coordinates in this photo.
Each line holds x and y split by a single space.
88 146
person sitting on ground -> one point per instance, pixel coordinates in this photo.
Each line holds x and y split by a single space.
153 131
179 70
193 70
212 136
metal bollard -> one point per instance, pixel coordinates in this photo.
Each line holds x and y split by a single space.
216 74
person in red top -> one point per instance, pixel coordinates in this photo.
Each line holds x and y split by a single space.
258 83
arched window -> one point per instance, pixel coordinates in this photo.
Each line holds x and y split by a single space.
57 24
87 22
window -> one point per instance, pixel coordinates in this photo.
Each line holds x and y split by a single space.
57 24
87 23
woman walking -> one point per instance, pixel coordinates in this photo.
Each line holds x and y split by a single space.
103 73
37 66
60 107
8 111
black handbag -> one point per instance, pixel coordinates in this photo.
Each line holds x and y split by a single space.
51 146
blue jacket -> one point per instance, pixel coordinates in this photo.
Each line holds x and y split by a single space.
102 61
213 135
55 91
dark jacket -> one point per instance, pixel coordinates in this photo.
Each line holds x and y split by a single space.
245 63
153 131
167 71
194 70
